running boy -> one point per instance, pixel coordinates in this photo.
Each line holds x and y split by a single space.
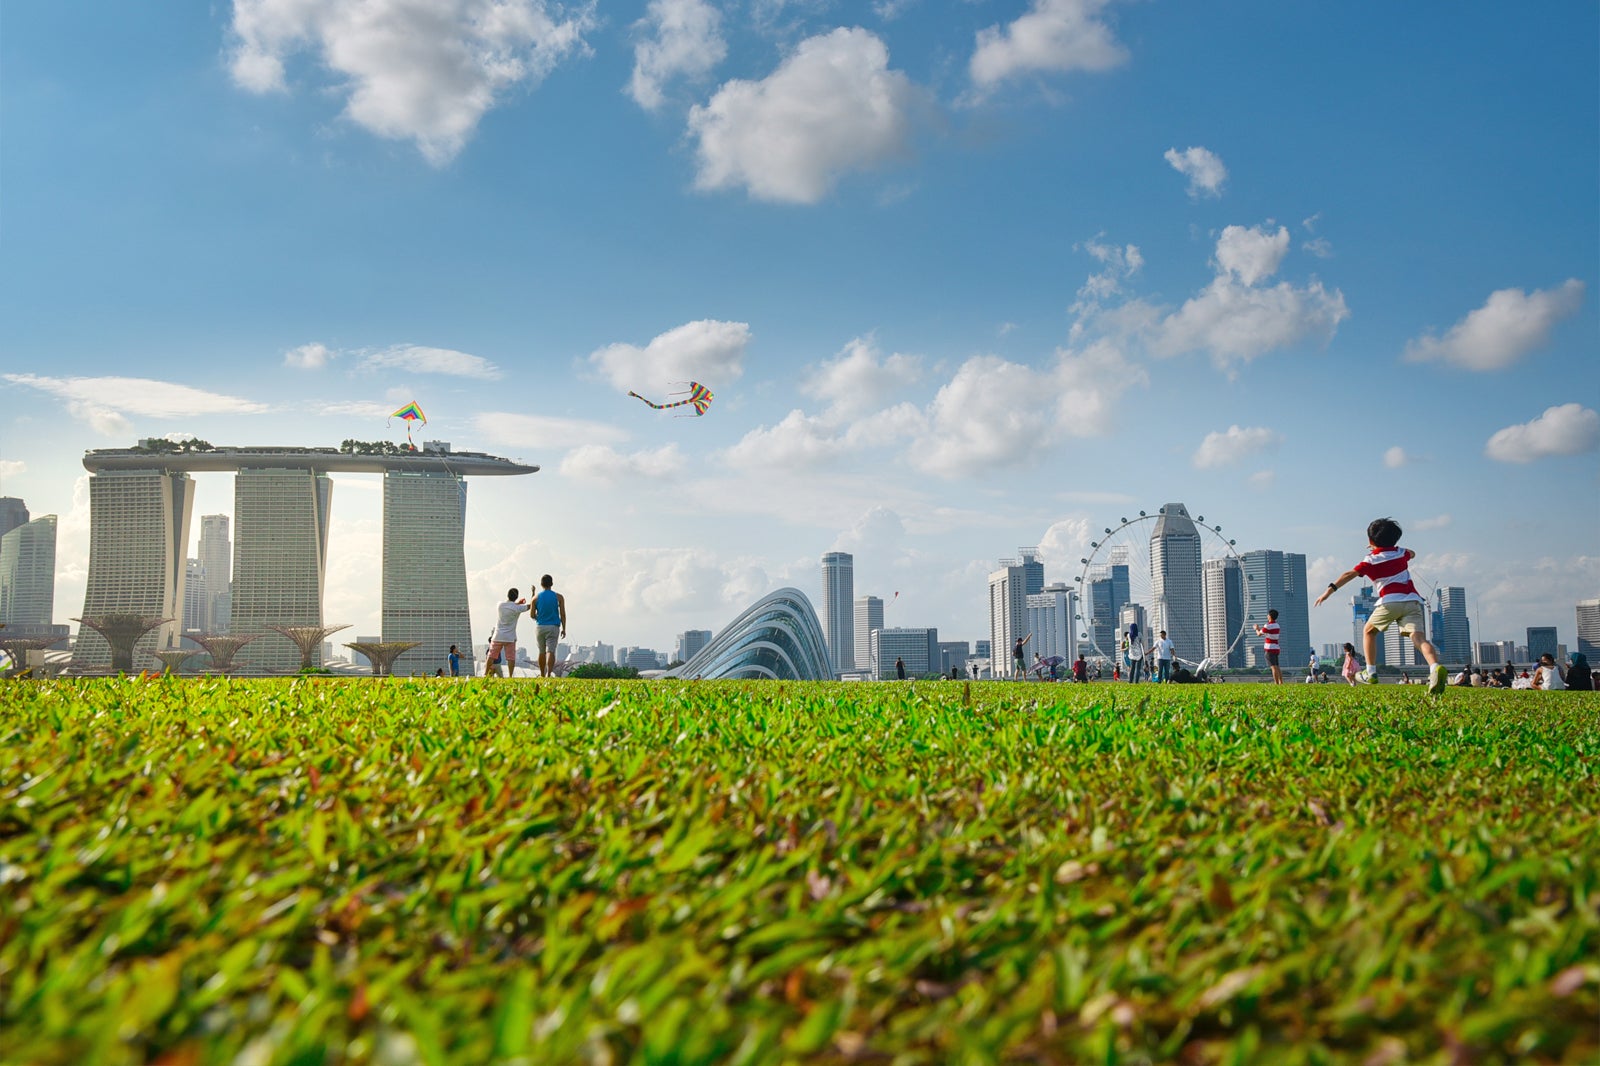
1387 566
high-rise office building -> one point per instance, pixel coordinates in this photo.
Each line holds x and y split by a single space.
1222 581
1177 601
1110 590
216 559
1275 579
1589 630
918 649
280 554
1541 641
1494 652
1050 618
1452 630
869 617
1009 588
689 642
1362 604
28 578
425 565
1397 649
195 597
838 605
138 543
13 513
954 653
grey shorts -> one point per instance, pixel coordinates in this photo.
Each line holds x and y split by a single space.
545 637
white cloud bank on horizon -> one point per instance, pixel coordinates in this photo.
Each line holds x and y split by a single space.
1509 325
1054 36
104 403
424 72
832 107
707 351
680 39
1203 167
601 463
1567 429
1234 445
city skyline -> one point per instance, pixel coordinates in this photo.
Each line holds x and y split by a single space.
1013 270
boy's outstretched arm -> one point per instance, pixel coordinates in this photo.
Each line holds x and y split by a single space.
1335 586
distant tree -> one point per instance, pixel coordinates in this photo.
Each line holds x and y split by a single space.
600 671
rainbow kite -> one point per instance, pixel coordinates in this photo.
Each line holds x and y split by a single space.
408 414
699 398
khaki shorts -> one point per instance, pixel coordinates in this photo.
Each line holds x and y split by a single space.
1407 614
547 637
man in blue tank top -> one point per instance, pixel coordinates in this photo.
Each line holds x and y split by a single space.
550 621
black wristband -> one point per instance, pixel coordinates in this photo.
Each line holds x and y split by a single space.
1333 586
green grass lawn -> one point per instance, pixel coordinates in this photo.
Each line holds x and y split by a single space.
337 871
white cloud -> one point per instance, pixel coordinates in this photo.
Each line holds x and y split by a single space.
832 107
1436 522
104 403
12 467
422 360
1507 327
706 351
602 463
1319 247
425 72
1120 263
1064 543
685 40
1251 254
860 378
1565 430
542 431
992 411
355 409
1054 35
668 581
1396 457
1203 168
309 356
1234 445
1235 322
1262 480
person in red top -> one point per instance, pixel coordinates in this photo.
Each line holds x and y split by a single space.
1269 632
1388 567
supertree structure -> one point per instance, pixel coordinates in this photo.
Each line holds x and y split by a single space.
172 659
308 639
223 647
17 649
382 654
122 632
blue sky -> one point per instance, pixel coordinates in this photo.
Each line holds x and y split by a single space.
964 276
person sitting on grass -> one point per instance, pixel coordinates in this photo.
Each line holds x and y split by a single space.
1388 567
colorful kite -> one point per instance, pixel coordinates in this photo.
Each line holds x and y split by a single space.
699 398
408 414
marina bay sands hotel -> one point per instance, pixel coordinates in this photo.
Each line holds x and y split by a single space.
141 504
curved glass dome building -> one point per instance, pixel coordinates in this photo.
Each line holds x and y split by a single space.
776 637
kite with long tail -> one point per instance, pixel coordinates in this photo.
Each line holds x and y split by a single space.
699 397
408 414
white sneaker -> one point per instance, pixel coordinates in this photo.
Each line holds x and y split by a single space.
1367 677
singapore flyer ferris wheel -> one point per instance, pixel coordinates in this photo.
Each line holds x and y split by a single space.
1163 571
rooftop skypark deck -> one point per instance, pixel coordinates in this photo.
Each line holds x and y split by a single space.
433 457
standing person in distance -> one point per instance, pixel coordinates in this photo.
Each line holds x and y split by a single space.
1164 653
1017 658
899 668
550 618
504 642
1269 632
1388 567
1311 667
1350 668
455 661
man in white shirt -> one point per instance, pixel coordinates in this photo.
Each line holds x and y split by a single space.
1164 651
1311 668
504 641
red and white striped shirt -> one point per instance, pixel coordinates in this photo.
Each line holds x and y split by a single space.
1389 571
1269 636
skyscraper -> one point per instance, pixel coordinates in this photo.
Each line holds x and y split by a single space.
838 601
1050 618
1589 630
1275 579
194 597
1541 641
28 577
1222 581
1177 602
425 565
1362 604
280 558
869 616
917 648
1452 630
1110 590
689 643
1009 588
13 513
138 541
216 559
